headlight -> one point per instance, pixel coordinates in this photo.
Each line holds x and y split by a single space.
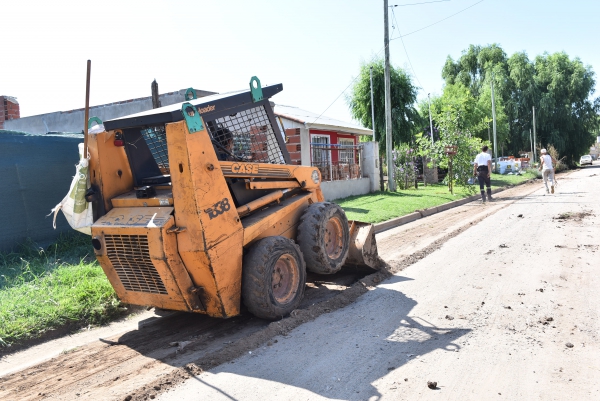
315 176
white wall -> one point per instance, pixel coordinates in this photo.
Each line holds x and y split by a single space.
341 189
72 121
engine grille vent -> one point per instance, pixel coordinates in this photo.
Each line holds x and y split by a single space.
130 257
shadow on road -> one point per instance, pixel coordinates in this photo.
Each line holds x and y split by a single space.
179 338
341 355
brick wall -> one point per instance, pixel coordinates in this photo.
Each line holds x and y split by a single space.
293 145
9 109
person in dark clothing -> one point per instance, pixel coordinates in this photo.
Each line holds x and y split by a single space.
224 138
483 170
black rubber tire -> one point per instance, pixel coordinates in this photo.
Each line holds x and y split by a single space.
259 276
313 235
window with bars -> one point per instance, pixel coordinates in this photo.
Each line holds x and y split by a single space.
346 152
321 153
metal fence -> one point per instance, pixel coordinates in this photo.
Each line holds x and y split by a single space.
36 173
336 162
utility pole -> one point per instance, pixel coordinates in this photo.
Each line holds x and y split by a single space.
489 137
431 132
430 120
494 124
534 138
388 102
531 143
374 137
372 104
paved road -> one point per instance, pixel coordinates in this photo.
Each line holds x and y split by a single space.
507 309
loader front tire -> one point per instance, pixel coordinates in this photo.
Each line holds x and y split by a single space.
323 236
273 278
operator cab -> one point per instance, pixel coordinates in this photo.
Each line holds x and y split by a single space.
242 127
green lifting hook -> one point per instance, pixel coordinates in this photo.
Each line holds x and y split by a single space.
94 120
190 94
256 89
192 118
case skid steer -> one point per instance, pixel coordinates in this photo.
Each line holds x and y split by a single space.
197 208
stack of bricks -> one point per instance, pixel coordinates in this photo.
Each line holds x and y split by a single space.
293 145
355 171
9 109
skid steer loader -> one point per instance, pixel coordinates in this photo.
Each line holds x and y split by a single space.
198 207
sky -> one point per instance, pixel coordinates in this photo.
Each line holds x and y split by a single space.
313 47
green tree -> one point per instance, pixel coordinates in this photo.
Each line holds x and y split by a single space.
560 88
475 70
523 97
473 67
567 116
455 114
403 94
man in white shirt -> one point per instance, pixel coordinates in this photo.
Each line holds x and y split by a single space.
483 170
547 167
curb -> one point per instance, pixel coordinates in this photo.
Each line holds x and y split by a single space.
419 214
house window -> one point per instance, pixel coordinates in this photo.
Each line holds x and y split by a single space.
321 154
346 152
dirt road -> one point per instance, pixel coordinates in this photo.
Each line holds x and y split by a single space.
486 298
508 309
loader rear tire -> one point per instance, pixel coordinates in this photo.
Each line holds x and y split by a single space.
273 278
323 236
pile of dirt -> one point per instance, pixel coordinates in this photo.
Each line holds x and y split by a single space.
574 216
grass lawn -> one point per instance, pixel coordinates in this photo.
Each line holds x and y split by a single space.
42 290
382 206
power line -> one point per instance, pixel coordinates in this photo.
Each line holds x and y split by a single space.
399 37
351 82
416 4
437 22
406 52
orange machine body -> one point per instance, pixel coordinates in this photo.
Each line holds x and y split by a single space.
182 247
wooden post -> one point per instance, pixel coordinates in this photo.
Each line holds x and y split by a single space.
450 175
155 98
87 109
381 185
451 151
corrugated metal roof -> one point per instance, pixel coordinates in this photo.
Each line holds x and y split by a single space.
312 120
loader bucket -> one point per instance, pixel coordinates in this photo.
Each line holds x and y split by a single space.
363 246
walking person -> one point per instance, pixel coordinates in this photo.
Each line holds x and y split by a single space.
547 167
483 170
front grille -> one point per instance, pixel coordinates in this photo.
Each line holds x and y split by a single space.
130 257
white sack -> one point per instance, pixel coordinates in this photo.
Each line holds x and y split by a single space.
76 209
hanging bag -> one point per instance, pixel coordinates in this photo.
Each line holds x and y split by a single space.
76 209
